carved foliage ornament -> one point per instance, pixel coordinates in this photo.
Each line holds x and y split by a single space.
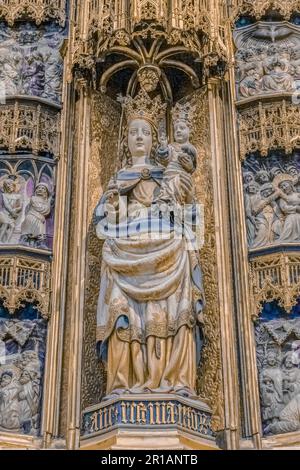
272 200
37 10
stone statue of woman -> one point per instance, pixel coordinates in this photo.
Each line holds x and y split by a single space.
151 294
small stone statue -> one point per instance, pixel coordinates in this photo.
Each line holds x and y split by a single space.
291 377
39 208
11 211
289 204
180 158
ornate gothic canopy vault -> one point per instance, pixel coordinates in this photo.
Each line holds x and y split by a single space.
152 43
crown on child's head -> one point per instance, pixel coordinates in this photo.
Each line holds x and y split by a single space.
184 112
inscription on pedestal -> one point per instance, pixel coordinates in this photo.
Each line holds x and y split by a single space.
153 414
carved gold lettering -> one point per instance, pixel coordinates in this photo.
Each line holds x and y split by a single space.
141 413
123 412
157 413
163 413
105 417
100 420
171 413
151 414
132 409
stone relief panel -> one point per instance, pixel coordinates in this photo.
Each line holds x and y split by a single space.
265 8
267 59
272 200
30 61
26 203
278 358
22 358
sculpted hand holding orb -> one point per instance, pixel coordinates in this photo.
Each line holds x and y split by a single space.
151 291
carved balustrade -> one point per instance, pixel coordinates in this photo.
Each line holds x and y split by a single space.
24 280
37 10
29 126
275 277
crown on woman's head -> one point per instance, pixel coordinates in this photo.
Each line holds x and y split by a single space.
184 112
143 107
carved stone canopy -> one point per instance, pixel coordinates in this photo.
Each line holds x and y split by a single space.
267 60
152 44
260 8
36 10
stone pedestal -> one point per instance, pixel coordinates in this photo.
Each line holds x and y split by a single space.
148 422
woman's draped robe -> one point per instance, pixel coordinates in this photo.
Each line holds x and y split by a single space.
150 296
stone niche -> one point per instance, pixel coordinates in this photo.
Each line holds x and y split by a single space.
142 420
27 203
278 358
31 63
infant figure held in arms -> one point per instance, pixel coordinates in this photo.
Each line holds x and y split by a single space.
180 160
